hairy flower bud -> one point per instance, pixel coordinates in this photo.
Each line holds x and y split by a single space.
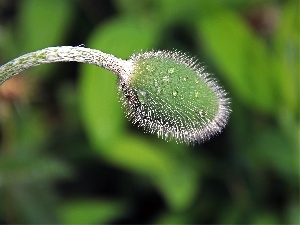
168 93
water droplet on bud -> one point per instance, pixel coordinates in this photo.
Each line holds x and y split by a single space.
202 113
166 79
142 96
149 68
158 90
171 70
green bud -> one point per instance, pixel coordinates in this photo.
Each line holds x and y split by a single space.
169 94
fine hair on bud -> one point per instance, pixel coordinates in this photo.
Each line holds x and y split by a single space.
168 93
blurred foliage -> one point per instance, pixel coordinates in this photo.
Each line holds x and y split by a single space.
68 155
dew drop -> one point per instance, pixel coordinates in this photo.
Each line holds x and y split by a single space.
175 93
166 79
158 90
202 113
171 70
149 68
142 96
197 94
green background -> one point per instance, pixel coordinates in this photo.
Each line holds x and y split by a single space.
68 154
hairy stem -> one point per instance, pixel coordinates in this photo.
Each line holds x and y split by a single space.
65 54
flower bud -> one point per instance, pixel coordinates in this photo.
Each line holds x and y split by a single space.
169 94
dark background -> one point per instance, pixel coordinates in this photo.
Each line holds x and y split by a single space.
68 154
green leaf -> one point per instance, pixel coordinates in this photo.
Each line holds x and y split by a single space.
43 23
272 149
241 57
180 186
33 203
286 58
133 153
26 168
90 211
266 218
176 218
174 176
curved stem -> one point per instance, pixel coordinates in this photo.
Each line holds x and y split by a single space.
65 54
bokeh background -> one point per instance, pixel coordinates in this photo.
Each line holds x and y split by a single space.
69 155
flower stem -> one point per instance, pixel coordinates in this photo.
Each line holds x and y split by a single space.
65 54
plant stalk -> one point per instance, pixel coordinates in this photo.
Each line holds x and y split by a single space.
66 54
